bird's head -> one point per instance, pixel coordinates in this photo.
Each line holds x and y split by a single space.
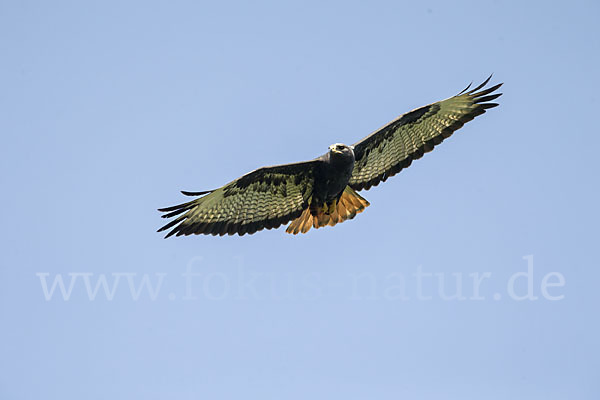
339 148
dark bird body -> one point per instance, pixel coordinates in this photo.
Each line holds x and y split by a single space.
332 173
322 191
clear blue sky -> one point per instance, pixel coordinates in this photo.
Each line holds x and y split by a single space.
108 109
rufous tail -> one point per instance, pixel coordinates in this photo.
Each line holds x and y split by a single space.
350 204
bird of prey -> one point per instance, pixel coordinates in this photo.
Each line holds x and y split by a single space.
322 191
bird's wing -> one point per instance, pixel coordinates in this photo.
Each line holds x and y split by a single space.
265 198
390 149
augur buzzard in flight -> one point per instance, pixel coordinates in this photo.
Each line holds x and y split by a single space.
322 191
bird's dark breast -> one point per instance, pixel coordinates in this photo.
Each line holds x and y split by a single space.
331 179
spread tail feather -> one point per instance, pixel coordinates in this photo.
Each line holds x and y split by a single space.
349 204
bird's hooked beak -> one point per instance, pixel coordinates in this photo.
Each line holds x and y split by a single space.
333 148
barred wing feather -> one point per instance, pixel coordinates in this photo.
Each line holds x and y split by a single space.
392 148
265 198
